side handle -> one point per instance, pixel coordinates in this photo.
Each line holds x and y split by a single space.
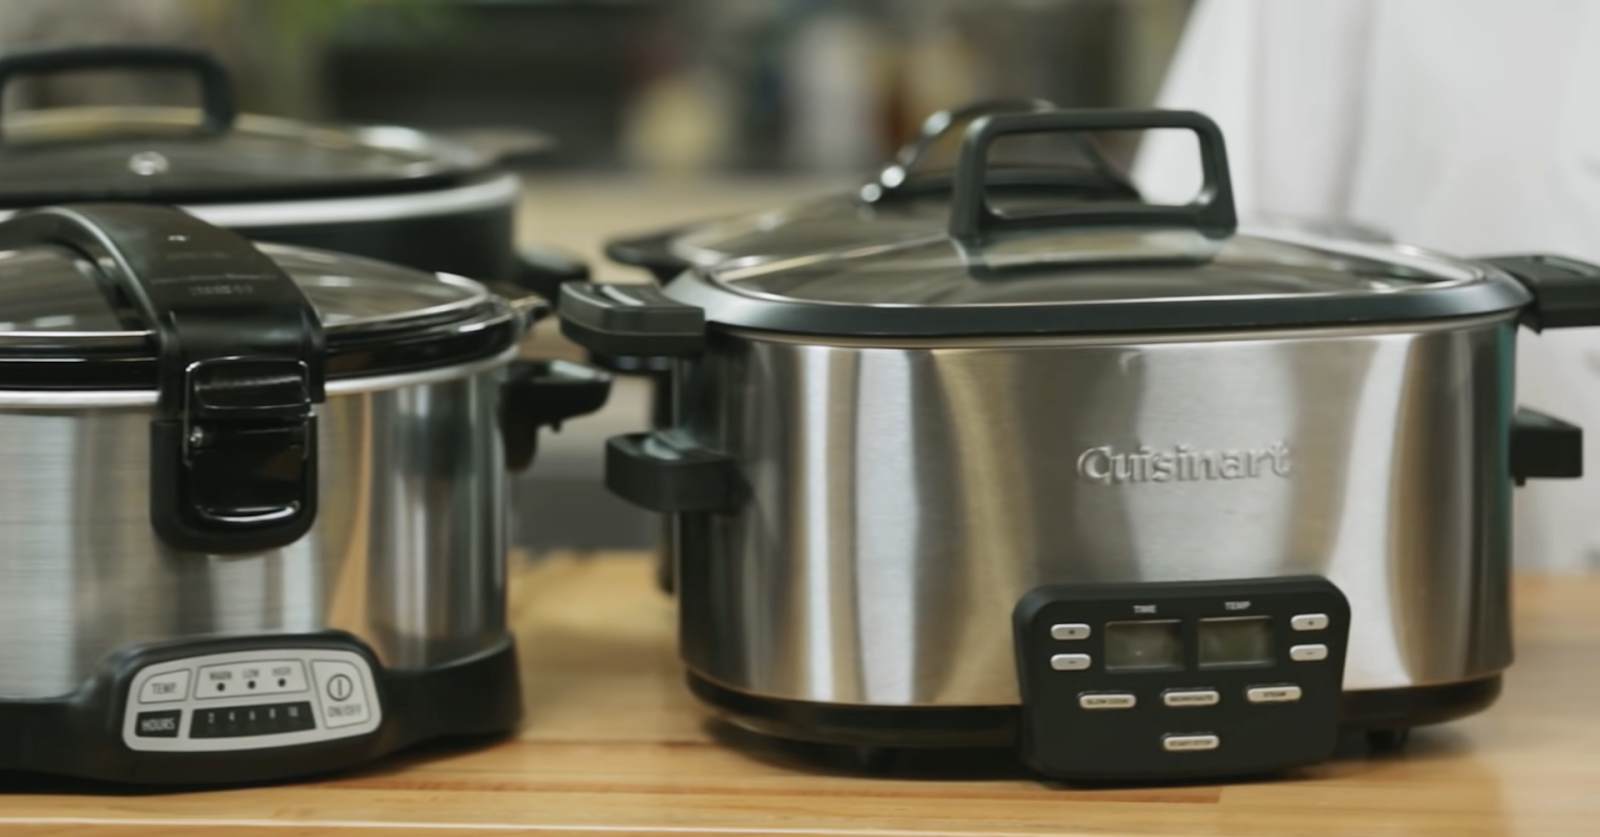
1543 446
662 473
545 393
630 321
1566 292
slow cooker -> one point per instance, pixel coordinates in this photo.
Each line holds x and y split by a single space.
254 499
425 200
1117 484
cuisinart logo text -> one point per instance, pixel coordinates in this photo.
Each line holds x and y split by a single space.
1106 465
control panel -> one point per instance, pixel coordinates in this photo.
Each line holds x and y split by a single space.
249 700
1176 679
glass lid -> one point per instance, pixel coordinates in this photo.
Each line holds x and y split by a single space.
1044 265
81 154
907 200
377 318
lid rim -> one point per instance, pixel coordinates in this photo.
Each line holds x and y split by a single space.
1493 293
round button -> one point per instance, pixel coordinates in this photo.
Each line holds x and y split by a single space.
340 686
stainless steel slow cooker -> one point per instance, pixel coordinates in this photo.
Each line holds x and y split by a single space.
1115 483
254 499
424 200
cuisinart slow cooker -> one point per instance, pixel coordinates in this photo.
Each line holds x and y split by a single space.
1111 482
253 499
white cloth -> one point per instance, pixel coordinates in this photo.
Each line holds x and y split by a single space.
1468 126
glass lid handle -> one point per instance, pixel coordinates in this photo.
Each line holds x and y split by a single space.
894 176
240 355
216 92
1211 212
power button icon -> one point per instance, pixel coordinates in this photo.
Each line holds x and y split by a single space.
340 687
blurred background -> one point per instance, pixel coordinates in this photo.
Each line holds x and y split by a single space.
664 111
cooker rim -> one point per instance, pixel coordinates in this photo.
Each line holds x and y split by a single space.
13 398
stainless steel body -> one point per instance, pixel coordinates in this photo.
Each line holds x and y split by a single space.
903 494
407 552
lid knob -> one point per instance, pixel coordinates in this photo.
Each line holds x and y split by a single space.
216 92
233 464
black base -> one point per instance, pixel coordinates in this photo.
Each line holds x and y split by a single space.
80 735
1389 711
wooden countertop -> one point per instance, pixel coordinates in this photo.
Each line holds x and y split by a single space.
613 744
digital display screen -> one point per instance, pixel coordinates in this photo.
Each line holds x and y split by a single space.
1236 641
1153 645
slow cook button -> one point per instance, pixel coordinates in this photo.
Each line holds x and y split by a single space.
1308 653
339 688
162 724
168 687
1107 700
1189 743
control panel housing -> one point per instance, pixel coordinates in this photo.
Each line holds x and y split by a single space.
248 700
1168 680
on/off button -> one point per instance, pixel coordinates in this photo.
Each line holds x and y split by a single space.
342 693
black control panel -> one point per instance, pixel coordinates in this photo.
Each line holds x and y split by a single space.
1180 679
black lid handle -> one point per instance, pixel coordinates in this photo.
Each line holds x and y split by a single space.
1211 212
233 464
216 92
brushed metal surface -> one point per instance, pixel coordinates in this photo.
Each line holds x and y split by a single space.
407 551
904 497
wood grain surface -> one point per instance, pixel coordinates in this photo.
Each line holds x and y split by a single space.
613 744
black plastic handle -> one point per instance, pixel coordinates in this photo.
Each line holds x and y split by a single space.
630 320
545 393
661 472
233 465
1544 447
1211 212
1566 292
216 91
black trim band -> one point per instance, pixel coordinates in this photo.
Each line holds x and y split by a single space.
996 726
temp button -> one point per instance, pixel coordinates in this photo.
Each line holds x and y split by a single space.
1070 631
1189 743
168 687
1309 622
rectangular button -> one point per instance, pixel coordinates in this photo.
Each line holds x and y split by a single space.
1190 697
1308 653
1070 631
1272 694
1069 662
1107 700
165 688
1309 622
1189 743
162 724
